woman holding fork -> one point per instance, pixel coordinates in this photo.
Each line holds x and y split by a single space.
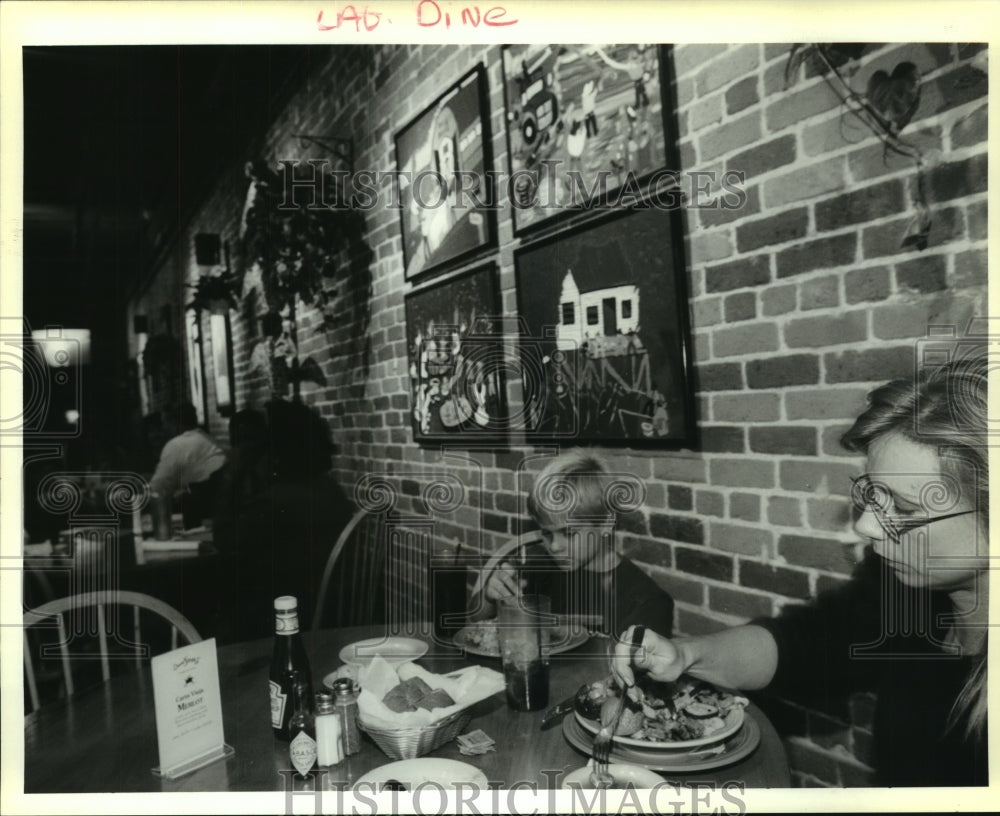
911 624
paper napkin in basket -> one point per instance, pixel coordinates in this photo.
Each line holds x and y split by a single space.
465 686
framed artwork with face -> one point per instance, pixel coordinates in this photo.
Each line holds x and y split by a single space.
446 194
456 360
583 121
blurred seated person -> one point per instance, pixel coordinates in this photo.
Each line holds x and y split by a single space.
277 540
577 563
188 469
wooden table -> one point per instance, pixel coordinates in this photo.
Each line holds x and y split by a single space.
104 739
185 579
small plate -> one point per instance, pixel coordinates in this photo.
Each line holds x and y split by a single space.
394 649
435 772
634 775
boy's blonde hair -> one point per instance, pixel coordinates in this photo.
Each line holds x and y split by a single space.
571 487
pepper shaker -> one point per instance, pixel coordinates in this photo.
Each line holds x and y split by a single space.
347 706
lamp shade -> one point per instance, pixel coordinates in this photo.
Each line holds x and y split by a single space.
63 347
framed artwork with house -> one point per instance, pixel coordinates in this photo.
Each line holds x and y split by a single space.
446 195
586 125
605 306
455 358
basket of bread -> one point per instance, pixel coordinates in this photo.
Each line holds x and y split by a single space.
408 711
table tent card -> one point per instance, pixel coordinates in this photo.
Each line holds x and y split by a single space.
188 709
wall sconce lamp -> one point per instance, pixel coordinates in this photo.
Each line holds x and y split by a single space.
343 149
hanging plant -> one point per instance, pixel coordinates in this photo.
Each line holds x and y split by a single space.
215 292
298 248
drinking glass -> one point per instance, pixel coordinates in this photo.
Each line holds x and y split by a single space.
522 623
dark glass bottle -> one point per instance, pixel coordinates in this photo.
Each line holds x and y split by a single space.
289 658
302 747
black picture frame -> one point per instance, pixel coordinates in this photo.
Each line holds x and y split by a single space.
603 111
448 143
605 306
455 359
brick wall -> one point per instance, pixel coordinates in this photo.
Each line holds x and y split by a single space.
801 301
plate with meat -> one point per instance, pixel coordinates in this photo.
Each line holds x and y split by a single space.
481 638
680 716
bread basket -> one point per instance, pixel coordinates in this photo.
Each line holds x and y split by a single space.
410 743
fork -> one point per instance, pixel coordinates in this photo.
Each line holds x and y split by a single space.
601 751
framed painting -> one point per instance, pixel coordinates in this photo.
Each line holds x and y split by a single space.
605 306
446 195
455 354
583 121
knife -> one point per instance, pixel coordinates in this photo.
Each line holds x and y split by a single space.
555 714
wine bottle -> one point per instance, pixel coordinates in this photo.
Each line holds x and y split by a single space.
289 658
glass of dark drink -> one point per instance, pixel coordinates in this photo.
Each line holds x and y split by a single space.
522 623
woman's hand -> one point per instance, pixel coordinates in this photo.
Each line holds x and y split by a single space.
503 583
661 657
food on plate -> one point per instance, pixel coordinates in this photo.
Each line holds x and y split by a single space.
662 712
409 695
482 636
629 721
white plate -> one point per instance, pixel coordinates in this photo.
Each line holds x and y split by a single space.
733 721
394 649
434 772
634 775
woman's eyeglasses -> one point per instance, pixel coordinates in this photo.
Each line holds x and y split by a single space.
876 498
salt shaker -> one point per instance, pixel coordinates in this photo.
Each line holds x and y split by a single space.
347 706
328 731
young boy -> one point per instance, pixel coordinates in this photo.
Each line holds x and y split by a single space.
576 563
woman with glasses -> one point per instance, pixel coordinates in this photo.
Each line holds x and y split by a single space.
911 624
577 563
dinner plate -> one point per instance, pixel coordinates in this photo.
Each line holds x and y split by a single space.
635 775
435 772
566 639
733 720
394 649
739 746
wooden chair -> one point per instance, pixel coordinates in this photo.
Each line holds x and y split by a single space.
357 560
42 617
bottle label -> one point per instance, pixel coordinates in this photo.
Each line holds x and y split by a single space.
286 624
278 702
302 751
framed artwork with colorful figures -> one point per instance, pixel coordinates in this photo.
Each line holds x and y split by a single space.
455 358
446 194
584 124
605 306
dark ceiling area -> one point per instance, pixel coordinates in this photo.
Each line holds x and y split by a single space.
119 144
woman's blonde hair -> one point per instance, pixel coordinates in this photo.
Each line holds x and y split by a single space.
944 407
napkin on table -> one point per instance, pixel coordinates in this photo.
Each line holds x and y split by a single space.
466 686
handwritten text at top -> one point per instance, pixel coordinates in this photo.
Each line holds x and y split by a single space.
428 14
